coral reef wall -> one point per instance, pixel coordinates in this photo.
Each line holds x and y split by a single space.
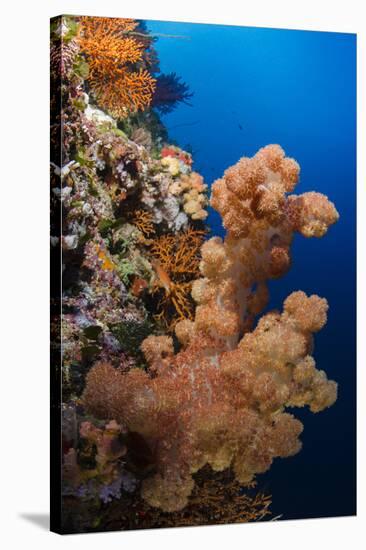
173 385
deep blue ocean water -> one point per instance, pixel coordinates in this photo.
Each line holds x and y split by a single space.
252 87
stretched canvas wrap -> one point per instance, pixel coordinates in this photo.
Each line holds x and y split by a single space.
203 274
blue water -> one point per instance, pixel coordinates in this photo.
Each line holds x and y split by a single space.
253 87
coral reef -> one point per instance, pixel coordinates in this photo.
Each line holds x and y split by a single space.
112 193
175 391
216 499
221 399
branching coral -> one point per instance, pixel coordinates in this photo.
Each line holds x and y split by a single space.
176 263
217 498
143 220
221 400
112 54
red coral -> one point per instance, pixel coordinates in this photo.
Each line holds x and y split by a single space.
175 152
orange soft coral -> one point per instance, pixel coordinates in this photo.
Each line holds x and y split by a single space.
222 399
112 52
255 189
261 220
216 407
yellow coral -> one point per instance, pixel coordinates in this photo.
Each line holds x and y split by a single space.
193 189
171 164
111 53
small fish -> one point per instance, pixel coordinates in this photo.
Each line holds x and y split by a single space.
240 126
163 277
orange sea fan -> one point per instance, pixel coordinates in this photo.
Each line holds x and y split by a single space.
112 54
176 261
143 220
179 254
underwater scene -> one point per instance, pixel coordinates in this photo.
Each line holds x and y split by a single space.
203 291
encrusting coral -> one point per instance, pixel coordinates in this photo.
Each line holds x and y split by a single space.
112 53
96 469
221 399
175 194
193 190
